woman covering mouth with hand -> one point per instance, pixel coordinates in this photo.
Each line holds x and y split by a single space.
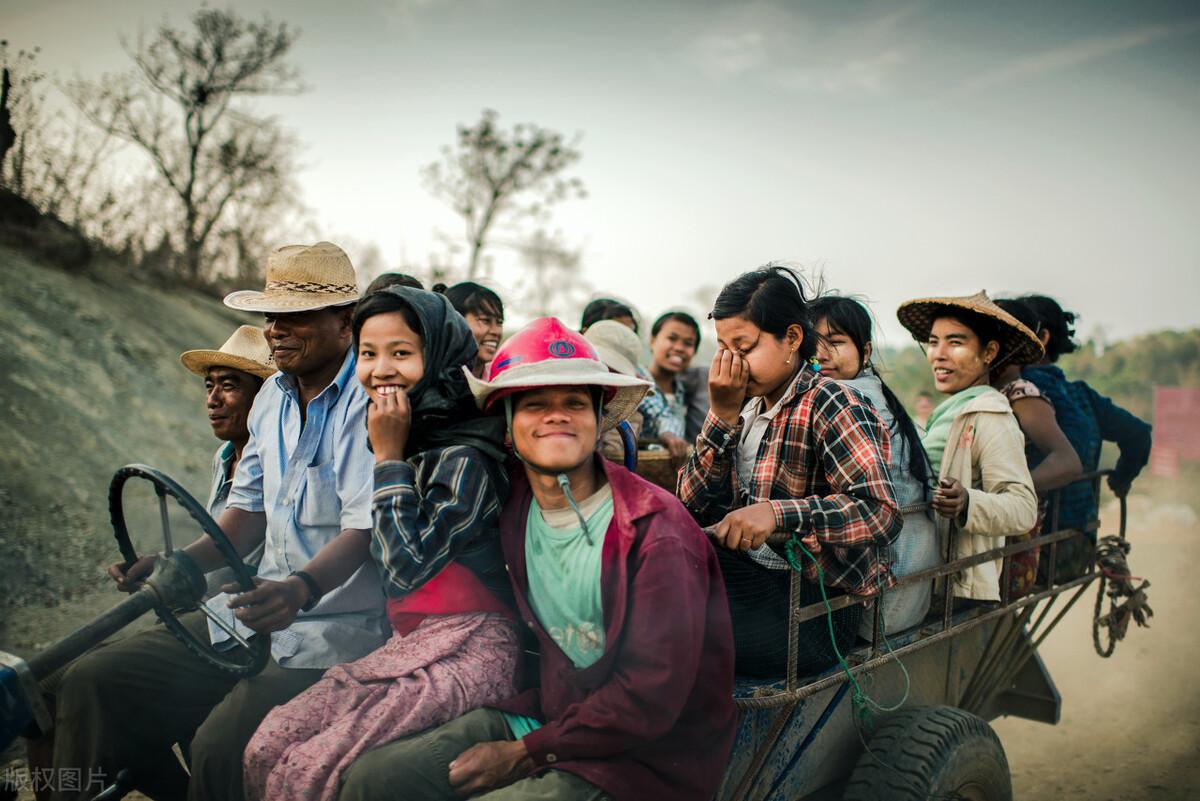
785 449
439 488
974 443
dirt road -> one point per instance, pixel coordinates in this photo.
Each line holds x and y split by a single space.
1131 724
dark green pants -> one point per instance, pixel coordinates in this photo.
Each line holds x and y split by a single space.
417 768
125 703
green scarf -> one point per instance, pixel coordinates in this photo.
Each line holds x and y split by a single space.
937 427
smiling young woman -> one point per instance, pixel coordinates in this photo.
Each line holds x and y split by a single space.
974 443
484 312
435 541
844 353
674 338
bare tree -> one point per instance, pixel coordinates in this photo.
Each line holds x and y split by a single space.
553 281
8 134
493 176
21 96
267 212
179 106
64 167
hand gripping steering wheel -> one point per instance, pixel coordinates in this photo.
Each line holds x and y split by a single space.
250 654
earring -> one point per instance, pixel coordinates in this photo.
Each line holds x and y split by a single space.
814 365
789 359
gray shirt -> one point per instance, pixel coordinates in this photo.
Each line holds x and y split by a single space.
218 494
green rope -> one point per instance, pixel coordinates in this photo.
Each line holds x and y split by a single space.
862 703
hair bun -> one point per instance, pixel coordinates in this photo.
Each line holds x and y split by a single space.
439 288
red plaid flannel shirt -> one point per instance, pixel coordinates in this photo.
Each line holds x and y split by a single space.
823 466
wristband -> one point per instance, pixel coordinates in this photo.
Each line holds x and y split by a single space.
314 591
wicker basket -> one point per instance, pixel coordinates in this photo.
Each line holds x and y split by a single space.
659 468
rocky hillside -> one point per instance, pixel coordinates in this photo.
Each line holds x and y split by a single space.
89 380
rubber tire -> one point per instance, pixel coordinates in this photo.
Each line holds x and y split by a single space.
930 752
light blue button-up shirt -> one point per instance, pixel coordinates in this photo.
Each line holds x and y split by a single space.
312 482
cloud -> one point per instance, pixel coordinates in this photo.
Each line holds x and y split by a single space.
867 74
725 54
1074 54
800 53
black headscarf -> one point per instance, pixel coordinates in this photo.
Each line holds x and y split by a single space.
443 410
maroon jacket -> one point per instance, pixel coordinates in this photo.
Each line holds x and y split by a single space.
654 716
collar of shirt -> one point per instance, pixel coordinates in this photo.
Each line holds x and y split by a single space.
291 387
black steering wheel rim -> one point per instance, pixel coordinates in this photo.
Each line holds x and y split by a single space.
259 651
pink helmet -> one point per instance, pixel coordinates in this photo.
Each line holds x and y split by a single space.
546 353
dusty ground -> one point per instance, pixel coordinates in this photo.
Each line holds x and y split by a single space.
1131 724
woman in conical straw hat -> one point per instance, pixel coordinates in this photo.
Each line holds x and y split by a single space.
974 444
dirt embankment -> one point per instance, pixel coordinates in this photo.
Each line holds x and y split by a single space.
91 381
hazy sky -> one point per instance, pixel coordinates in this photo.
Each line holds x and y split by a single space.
908 149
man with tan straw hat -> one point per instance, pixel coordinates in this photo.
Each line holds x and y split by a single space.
623 593
232 377
302 488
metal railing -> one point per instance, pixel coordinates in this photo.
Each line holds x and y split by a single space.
947 625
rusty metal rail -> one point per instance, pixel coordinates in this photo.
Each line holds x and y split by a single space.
932 632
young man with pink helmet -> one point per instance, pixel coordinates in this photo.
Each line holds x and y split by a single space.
623 593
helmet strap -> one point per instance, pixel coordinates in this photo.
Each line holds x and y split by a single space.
564 482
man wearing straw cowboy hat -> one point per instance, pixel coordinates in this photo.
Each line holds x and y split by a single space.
303 489
232 377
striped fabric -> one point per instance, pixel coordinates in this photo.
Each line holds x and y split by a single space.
823 465
427 510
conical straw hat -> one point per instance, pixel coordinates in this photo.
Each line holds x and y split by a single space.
1018 344
301 278
245 350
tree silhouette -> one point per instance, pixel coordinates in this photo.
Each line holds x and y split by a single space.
179 106
492 176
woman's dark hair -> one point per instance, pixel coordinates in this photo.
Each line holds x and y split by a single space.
393 279
983 327
470 297
849 317
605 309
1060 324
772 298
383 303
1020 310
679 317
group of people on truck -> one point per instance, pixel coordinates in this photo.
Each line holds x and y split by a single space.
465 598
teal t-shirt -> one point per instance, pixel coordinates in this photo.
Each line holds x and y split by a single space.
563 569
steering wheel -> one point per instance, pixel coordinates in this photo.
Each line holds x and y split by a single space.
250 655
